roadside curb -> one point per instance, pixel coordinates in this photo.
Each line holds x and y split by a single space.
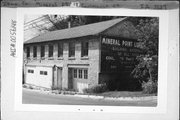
99 97
119 98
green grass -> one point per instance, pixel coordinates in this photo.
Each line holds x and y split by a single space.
117 94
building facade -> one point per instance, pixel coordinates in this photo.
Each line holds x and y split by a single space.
81 57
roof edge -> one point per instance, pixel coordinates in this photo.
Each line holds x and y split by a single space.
113 25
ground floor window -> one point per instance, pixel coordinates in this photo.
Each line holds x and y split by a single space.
30 71
43 72
75 73
80 73
85 74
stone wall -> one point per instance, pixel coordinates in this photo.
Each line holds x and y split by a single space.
91 62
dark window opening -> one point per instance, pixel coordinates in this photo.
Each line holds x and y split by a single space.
30 71
50 50
35 51
84 49
43 72
71 49
28 52
42 51
60 49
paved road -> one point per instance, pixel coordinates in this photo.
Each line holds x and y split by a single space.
35 97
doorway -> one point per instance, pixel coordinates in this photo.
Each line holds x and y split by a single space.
59 78
70 78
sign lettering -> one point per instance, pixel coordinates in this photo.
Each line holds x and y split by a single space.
119 54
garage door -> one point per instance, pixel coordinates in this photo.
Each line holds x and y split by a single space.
80 79
39 76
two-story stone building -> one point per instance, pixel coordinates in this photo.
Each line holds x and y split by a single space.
81 57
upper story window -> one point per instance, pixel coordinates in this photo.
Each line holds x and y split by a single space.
42 51
28 52
71 49
60 49
84 49
50 50
35 51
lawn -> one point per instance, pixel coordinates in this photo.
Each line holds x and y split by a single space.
114 94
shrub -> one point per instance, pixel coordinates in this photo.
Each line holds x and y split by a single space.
31 87
53 88
149 87
96 89
134 85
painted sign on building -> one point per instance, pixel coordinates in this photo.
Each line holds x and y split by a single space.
118 54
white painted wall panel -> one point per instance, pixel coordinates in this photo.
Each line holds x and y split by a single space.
37 79
30 77
44 80
81 86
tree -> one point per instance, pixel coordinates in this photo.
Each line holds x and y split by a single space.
147 31
47 23
62 22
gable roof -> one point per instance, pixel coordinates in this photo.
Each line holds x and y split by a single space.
80 31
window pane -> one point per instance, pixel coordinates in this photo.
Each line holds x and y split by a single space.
35 51
80 73
45 72
75 73
84 49
50 50
42 51
28 52
41 72
30 71
85 74
60 49
71 49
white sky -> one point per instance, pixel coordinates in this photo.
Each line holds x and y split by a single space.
28 18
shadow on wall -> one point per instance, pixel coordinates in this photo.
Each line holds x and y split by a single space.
23 77
119 81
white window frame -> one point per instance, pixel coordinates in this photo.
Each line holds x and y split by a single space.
80 73
75 74
85 75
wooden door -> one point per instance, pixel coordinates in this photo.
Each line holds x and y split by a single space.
70 79
59 78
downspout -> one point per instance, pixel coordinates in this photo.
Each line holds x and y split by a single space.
69 24
99 37
53 69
